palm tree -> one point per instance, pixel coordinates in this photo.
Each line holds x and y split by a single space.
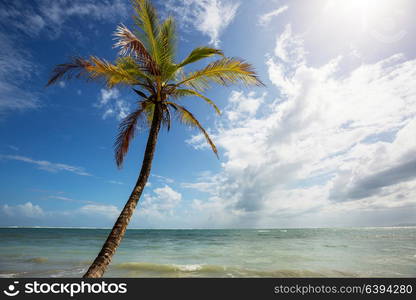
146 62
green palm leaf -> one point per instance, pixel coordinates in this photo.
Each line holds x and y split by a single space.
224 72
187 118
147 20
166 39
112 74
198 54
94 69
179 93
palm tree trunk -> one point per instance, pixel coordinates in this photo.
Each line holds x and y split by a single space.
101 262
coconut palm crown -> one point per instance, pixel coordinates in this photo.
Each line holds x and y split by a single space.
147 63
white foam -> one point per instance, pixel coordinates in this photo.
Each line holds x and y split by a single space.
12 275
189 268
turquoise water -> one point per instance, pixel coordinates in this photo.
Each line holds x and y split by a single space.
352 252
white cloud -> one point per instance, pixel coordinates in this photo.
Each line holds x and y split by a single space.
13 147
107 95
49 16
335 149
23 19
15 68
242 107
109 112
67 199
266 18
112 105
289 48
116 182
210 17
47 165
26 210
163 178
29 214
198 142
14 99
101 10
161 203
99 210
122 109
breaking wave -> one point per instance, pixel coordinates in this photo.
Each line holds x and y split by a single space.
202 270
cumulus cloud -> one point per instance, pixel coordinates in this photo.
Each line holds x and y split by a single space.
111 103
388 164
266 18
47 165
27 210
28 214
160 203
157 209
334 144
373 183
163 178
242 106
210 17
290 49
107 211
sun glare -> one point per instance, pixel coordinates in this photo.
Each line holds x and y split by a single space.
379 18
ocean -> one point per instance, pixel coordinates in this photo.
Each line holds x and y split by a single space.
330 252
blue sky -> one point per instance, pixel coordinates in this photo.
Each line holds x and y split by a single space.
330 141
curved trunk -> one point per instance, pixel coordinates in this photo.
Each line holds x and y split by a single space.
101 262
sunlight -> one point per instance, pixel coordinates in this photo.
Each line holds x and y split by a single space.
378 18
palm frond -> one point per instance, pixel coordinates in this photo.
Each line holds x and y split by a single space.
129 44
178 93
127 129
224 72
130 66
147 20
198 54
140 93
166 117
77 67
187 118
149 111
166 39
125 71
112 74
